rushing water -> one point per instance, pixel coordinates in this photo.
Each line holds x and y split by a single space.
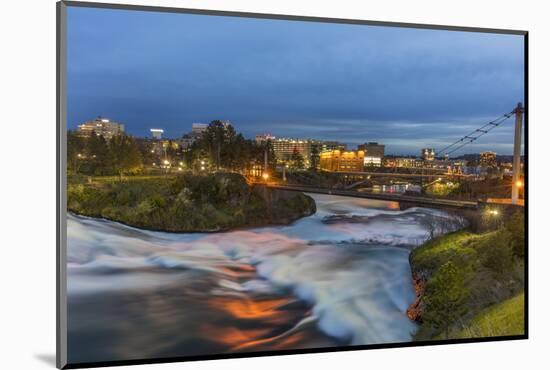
339 277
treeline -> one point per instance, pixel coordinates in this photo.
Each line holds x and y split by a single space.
94 155
220 147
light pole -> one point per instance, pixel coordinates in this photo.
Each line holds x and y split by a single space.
516 164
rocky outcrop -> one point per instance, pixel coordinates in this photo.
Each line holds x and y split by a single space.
415 310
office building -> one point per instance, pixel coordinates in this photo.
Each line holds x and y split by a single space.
402 162
488 159
342 161
374 153
264 137
199 128
327 145
101 127
285 147
156 133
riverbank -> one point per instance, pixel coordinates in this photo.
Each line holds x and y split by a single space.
470 285
187 203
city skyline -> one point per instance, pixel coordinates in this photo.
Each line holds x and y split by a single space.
406 88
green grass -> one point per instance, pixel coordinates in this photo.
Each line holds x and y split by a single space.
505 318
491 276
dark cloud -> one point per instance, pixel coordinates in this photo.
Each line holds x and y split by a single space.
408 88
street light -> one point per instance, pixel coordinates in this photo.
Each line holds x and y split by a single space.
519 183
265 176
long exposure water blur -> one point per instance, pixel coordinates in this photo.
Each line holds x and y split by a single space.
338 277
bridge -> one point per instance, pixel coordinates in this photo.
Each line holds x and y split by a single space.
434 174
401 198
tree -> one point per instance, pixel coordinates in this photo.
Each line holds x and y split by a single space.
497 253
75 150
516 227
296 160
315 158
125 154
98 155
445 297
217 137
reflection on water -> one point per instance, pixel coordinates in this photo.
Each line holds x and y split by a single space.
339 277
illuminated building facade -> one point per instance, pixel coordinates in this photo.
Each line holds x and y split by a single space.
427 154
405 162
488 159
101 127
374 153
342 161
324 145
264 137
284 148
156 133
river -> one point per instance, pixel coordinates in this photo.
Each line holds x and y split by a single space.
338 277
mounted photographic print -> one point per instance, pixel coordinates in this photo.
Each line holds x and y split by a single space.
236 185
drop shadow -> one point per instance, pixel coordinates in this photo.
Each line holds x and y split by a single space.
47 358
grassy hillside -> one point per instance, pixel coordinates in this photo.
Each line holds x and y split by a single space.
505 318
187 202
471 282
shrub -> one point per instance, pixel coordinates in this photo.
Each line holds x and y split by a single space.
497 254
516 227
445 297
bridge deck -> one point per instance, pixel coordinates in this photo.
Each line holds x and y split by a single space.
381 196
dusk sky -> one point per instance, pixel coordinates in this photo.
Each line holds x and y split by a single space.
406 88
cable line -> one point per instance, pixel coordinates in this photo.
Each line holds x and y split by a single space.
474 135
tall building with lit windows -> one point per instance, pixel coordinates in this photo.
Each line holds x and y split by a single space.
342 161
285 147
101 127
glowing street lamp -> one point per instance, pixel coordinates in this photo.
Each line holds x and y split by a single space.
494 212
519 183
265 176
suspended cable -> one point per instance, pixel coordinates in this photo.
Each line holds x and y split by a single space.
474 135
